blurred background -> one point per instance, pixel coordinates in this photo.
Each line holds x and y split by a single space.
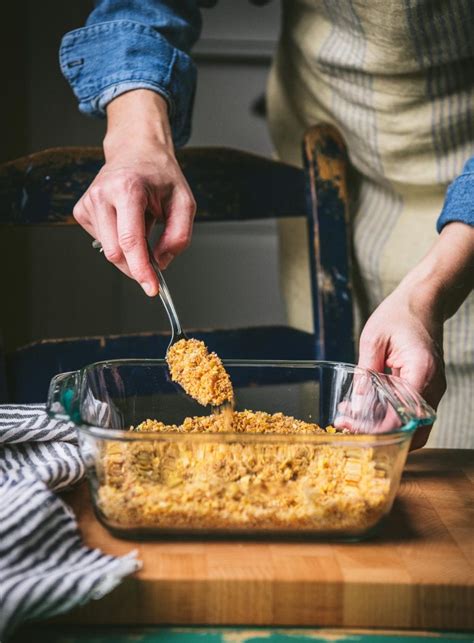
53 283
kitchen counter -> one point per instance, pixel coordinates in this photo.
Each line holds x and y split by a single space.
417 573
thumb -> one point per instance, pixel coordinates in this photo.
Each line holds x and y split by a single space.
372 351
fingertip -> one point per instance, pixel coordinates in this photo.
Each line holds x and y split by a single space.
150 289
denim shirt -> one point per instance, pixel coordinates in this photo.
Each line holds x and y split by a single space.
459 201
135 44
145 44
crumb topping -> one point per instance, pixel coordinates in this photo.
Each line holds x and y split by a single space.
235 484
201 374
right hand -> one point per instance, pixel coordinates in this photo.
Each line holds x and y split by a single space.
140 176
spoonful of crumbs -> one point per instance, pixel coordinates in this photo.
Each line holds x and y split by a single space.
200 373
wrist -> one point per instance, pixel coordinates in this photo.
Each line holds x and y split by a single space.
444 277
137 121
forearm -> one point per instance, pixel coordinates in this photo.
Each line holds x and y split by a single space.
140 182
445 276
405 332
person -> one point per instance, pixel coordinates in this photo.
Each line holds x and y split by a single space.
396 79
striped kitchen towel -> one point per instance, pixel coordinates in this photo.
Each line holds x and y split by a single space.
44 567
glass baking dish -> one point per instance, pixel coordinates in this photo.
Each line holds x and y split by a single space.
335 484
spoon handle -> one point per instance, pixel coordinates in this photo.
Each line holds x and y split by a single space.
176 329
177 332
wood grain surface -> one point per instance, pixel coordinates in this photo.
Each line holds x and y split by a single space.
417 573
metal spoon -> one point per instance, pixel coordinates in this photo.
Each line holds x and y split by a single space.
177 332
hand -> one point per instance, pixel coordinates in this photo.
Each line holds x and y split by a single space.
406 336
405 333
140 176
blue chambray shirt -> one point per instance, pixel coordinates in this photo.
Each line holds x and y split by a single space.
459 201
145 44
135 44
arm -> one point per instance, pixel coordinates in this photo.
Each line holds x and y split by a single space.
405 333
131 64
459 202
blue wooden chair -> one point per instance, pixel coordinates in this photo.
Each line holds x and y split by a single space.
228 185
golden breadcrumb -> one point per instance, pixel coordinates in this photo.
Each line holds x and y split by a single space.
237 422
231 484
200 373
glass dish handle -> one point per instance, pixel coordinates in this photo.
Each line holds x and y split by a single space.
63 397
412 408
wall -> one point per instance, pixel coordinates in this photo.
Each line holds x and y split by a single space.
55 283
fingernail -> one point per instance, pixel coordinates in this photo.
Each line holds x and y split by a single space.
148 288
165 260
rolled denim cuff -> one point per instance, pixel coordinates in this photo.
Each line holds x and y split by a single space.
459 202
107 59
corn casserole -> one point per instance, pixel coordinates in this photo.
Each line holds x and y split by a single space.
231 484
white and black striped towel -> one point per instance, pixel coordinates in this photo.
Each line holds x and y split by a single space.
44 567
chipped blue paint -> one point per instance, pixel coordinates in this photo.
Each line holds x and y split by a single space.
325 161
227 185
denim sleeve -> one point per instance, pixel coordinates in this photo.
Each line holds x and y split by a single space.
135 44
459 202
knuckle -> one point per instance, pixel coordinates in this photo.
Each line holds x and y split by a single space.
121 177
182 241
189 205
128 180
86 202
140 273
114 255
134 184
131 187
96 193
128 241
79 213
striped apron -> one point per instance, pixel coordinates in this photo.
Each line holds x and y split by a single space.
397 79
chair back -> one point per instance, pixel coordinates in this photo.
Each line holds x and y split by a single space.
228 185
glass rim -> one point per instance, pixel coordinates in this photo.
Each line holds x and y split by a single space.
410 421
356 439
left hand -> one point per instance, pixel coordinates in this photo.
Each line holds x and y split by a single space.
405 334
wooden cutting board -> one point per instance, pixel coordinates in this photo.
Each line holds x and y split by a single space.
417 573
